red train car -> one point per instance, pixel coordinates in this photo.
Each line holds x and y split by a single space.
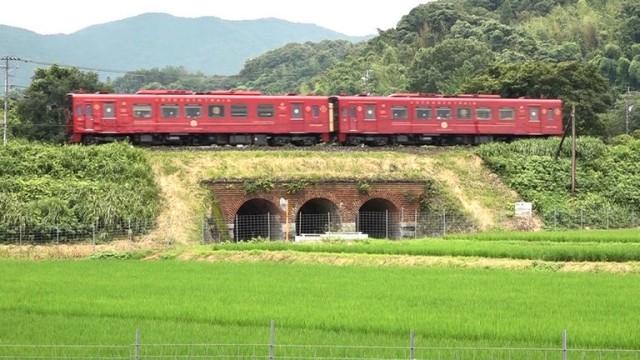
184 117
228 117
416 119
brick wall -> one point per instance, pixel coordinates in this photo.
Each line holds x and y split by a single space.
404 195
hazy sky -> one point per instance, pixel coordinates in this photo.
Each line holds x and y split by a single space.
352 17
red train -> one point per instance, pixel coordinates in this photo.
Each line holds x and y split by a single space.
230 117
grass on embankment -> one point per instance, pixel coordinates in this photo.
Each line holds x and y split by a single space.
457 170
103 302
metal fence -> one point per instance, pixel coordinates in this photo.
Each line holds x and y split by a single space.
376 224
271 350
65 233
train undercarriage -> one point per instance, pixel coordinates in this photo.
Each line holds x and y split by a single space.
294 139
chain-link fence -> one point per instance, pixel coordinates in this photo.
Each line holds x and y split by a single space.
600 218
373 224
411 349
64 233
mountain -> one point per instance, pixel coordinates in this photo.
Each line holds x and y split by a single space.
207 44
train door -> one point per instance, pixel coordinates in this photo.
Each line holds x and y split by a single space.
369 123
533 120
297 116
352 116
88 117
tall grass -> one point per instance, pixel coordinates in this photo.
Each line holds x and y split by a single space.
103 302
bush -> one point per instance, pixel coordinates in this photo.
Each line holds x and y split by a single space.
608 179
44 187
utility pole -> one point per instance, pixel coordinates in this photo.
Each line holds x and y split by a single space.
627 112
6 99
573 149
6 60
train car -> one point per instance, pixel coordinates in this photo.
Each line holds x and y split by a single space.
185 117
466 119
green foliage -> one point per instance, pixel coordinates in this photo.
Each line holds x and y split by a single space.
608 179
446 66
295 186
363 187
260 185
43 110
284 70
170 77
45 187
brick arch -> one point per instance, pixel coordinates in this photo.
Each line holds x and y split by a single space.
390 200
256 217
378 217
274 202
318 194
317 215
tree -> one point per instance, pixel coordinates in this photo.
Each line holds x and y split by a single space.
573 82
446 66
44 108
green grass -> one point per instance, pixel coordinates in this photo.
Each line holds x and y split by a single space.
618 235
103 302
617 246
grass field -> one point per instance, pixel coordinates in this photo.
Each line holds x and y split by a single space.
103 302
615 235
602 246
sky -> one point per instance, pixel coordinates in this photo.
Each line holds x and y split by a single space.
351 17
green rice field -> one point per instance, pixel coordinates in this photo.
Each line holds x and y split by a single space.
100 302
599 246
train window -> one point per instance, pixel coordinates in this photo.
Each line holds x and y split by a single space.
109 111
169 111
296 111
88 111
239 111
79 111
142 111
443 113
483 114
315 111
534 114
463 113
423 113
399 113
265 110
216 111
370 112
550 114
506 114
192 111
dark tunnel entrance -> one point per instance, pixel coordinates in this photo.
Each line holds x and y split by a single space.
257 218
317 216
379 218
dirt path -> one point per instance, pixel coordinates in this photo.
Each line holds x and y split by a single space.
293 257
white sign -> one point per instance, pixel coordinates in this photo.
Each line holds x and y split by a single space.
523 209
284 204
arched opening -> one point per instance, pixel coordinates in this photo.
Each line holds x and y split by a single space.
257 218
317 216
379 218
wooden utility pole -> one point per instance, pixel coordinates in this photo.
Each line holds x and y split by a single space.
573 149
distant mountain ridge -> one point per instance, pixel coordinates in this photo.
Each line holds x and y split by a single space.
207 44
